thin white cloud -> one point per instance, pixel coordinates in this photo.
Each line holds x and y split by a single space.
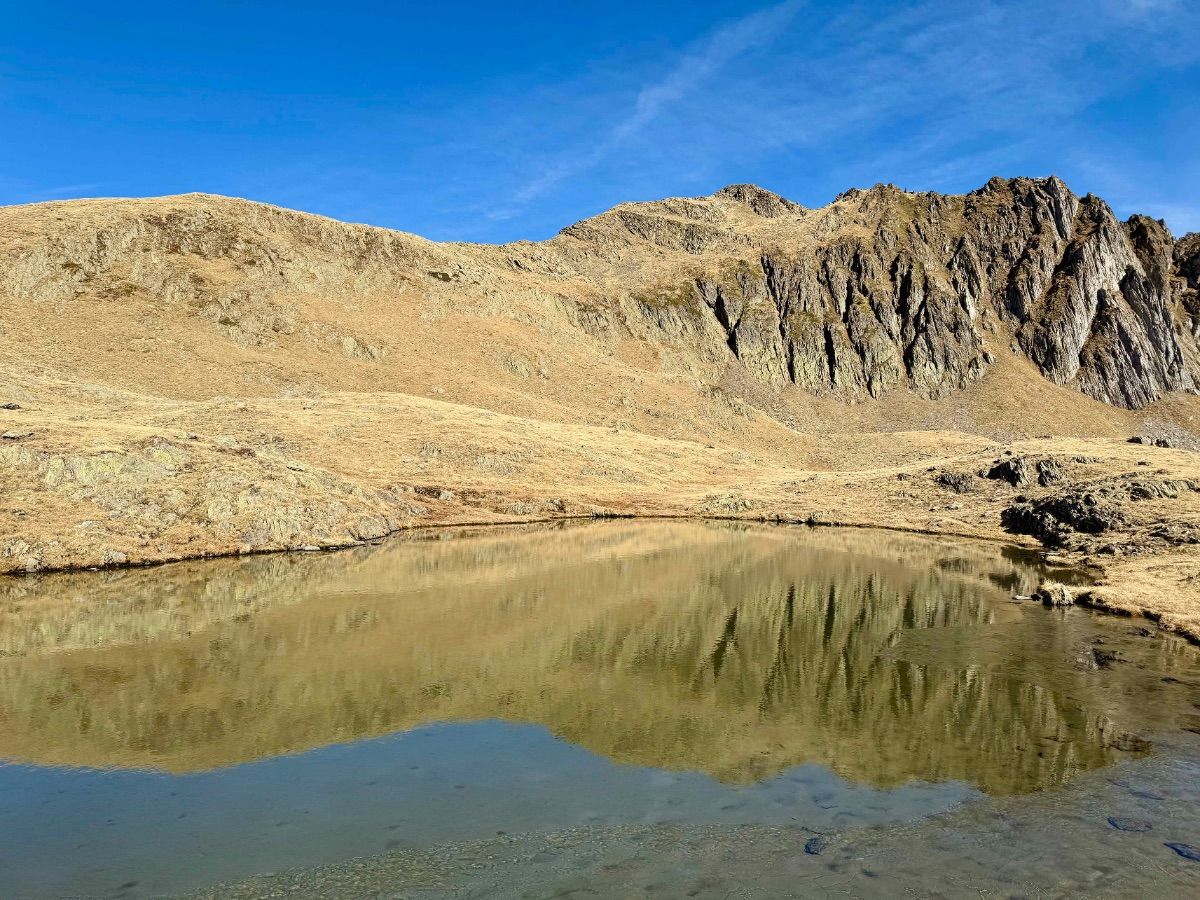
933 95
1118 181
1180 218
695 67
21 192
1149 7
66 190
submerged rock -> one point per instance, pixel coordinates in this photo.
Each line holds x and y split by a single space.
1104 659
1137 826
1187 851
814 846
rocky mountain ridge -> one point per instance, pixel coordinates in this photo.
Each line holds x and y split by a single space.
886 288
881 291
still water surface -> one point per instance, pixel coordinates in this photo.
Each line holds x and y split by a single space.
626 707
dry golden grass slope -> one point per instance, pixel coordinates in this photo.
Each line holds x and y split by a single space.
199 375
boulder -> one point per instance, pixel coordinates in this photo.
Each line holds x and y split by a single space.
1015 470
959 482
1050 471
1051 593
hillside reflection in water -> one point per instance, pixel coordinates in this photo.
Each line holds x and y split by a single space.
736 651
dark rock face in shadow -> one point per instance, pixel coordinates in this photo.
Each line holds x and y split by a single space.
919 284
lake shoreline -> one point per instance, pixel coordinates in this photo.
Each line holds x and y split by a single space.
1109 601
146 495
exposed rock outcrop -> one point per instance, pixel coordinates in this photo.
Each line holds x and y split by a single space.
764 203
1022 470
1090 509
1186 267
886 288
958 482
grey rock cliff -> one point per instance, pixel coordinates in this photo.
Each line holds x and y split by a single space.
923 290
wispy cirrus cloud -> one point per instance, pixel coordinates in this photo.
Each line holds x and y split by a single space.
24 191
932 95
1150 7
695 66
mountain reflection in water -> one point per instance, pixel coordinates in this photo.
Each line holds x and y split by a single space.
733 650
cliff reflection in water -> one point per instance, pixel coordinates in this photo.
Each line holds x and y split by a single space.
732 650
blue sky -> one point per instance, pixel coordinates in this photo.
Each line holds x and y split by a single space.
492 122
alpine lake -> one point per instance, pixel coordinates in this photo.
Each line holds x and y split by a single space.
593 709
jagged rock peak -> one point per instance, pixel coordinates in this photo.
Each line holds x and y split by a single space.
1187 258
998 184
855 193
765 203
